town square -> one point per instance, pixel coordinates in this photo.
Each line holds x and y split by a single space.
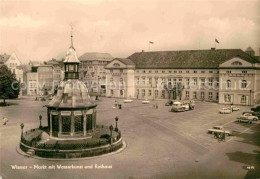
116 94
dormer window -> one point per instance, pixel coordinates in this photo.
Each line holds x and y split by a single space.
116 65
236 63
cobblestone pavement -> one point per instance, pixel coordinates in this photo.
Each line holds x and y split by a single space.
160 144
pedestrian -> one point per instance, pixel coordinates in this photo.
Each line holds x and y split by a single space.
5 120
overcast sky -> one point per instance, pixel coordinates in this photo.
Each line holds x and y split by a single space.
40 30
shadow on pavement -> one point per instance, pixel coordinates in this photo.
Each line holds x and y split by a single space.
251 160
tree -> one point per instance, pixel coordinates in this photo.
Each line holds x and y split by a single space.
9 86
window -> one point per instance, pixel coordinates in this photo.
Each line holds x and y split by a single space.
210 82
143 80
228 84
121 81
187 71
202 95
150 71
156 71
195 71
236 63
195 95
244 72
170 71
227 98
210 71
244 84
156 93
187 81
202 71
217 96
156 81
121 92
174 81
116 65
228 72
150 92
137 80
203 82
180 80
187 94
195 81
174 71
144 71
112 92
180 71
150 81
143 92
210 95
243 99
169 81
121 71
217 83
163 71
111 71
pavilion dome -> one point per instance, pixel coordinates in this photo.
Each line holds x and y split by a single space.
71 56
72 94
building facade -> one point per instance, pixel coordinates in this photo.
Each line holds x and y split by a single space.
92 70
206 75
32 83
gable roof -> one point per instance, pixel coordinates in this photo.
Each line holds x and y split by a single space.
125 61
187 58
96 56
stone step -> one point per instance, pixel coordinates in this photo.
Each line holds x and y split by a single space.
31 152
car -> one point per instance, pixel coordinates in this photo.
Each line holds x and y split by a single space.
256 109
145 102
178 107
128 101
234 108
225 111
169 103
247 117
257 114
219 129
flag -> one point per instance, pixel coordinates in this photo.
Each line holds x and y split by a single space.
151 42
216 40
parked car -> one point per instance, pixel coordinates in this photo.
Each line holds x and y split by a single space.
145 102
128 100
219 129
225 111
178 107
257 114
247 117
256 109
169 103
234 108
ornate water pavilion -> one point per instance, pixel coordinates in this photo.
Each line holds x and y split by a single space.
71 112
71 115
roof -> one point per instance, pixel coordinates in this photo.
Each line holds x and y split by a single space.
249 49
71 56
89 56
71 94
125 61
4 58
187 59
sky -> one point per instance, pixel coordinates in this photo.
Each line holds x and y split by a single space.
39 30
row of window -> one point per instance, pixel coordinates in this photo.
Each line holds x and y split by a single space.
173 71
243 72
227 98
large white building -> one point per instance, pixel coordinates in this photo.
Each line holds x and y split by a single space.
228 76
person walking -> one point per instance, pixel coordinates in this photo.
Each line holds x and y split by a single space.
5 120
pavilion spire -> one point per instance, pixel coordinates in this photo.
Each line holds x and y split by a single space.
71 36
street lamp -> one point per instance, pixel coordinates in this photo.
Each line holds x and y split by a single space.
116 119
111 129
40 118
22 126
